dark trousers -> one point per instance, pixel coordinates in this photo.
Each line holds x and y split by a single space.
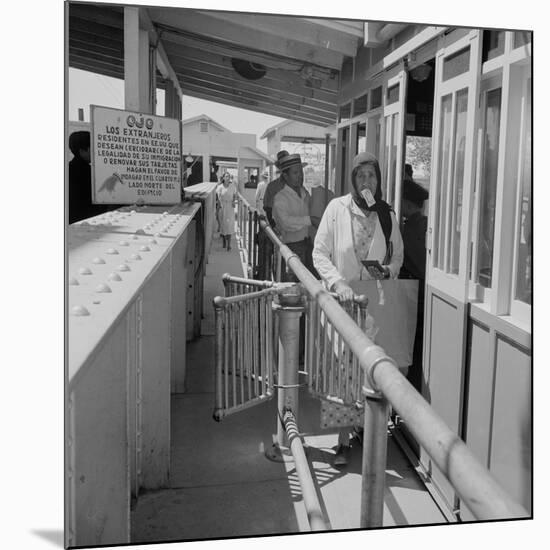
303 250
265 257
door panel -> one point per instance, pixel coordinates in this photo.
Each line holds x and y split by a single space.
449 226
395 93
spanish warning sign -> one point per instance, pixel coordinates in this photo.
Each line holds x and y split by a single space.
135 157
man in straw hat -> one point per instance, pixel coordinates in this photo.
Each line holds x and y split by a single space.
265 248
291 212
273 187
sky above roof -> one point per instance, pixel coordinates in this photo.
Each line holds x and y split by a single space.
85 89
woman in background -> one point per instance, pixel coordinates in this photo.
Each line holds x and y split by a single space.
225 194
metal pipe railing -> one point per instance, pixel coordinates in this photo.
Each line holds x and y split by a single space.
311 501
474 484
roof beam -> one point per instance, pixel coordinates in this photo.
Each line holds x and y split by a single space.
163 63
99 64
353 28
294 28
254 95
94 42
102 32
101 14
215 64
83 64
203 71
231 32
267 108
180 45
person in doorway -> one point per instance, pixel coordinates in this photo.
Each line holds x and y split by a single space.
291 212
225 194
414 263
80 180
355 227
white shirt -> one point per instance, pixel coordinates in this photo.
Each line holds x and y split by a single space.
259 198
291 214
333 252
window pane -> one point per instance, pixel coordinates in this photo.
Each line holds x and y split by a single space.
521 38
361 145
392 94
524 258
360 105
461 107
457 63
344 112
391 151
493 44
376 98
441 180
488 189
344 136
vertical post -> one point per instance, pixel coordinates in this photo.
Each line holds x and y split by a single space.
327 166
374 458
219 354
136 63
250 241
289 309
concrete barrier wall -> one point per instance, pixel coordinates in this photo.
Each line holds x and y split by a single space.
127 311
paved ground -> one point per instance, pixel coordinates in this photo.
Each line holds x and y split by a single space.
221 484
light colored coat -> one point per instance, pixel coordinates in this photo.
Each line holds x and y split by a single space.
333 253
226 196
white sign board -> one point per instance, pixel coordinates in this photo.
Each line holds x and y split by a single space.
135 157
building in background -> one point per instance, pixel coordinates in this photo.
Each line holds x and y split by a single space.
209 149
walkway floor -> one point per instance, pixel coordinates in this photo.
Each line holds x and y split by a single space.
221 484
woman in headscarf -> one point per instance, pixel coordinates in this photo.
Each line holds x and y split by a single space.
357 227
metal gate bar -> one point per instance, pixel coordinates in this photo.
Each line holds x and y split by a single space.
244 370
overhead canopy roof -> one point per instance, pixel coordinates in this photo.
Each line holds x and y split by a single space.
283 66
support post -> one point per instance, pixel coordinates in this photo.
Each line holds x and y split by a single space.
289 309
136 64
374 458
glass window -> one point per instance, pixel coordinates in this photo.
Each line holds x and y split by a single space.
493 44
456 64
360 105
524 258
377 130
392 94
442 172
376 98
521 38
344 112
488 188
390 156
418 153
361 145
346 74
461 107
344 137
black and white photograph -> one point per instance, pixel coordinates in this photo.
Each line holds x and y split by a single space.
297 263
